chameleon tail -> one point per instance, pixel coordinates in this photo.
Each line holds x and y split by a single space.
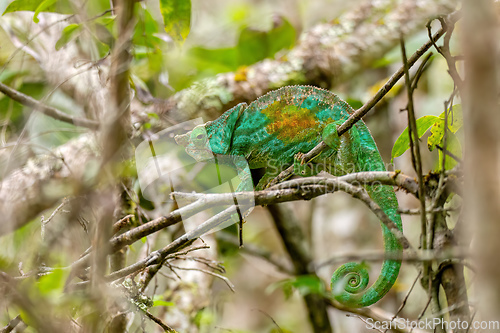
349 282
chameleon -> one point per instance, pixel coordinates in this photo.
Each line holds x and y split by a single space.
274 131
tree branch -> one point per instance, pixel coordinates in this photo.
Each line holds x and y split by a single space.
45 109
296 189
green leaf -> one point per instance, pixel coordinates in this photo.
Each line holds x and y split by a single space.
22 5
282 36
204 318
37 6
7 75
4 263
44 6
176 18
455 122
53 281
252 46
279 330
66 35
104 35
108 21
436 136
455 118
453 146
304 284
153 115
146 30
162 303
402 144
354 103
255 45
223 59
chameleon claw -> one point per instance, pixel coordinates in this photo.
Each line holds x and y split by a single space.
300 157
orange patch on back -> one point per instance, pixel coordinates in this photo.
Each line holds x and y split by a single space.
289 122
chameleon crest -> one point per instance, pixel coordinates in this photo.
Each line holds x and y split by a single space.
274 130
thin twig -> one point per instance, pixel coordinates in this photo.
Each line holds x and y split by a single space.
159 322
417 256
272 319
448 25
223 278
375 314
216 266
12 324
299 189
364 321
25 44
415 151
450 154
423 311
420 70
325 185
45 222
441 184
405 299
256 251
188 238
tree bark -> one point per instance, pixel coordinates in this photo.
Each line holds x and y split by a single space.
482 126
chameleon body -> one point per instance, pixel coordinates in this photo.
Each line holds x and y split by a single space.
274 130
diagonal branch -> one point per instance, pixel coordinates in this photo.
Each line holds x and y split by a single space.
45 109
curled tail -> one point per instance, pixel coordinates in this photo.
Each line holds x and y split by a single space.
349 281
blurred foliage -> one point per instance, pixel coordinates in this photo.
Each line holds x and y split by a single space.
37 6
67 33
197 62
176 18
304 284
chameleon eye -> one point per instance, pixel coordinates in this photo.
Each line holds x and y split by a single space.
199 136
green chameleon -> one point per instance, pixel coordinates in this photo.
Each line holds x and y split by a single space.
274 131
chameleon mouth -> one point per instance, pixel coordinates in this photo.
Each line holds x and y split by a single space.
200 154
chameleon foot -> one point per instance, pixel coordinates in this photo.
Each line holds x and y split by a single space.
301 168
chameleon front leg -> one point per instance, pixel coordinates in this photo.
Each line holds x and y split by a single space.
341 154
242 209
243 169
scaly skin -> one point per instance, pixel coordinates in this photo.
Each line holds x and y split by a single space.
274 131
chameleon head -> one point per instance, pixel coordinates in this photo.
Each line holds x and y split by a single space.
196 143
